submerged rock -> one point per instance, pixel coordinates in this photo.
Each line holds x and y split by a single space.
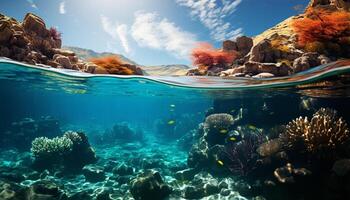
149 185
45 190
94 173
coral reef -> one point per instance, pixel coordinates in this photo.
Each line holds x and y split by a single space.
70 152
325 131
31 42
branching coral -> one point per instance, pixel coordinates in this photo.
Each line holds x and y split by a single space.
71 151
43 146
325 130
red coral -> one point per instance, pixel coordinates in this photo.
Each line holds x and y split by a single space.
113 65
205 55
55 34
322 25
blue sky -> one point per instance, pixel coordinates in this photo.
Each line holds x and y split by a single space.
154 32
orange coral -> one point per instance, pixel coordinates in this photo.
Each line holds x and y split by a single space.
205 55
113 65
322 25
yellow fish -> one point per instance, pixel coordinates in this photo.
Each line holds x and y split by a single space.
220 162
232 139
171 122
252 127
223 131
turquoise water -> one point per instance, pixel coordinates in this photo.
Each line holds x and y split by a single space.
162 115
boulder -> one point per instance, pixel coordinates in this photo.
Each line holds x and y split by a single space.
262 52
244 44
34 24
5 32
94 173
63 61
229 45
149 185
45 190
264 75
306 61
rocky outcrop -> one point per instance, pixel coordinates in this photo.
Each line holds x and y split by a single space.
242 45
335 4
32 42
278 46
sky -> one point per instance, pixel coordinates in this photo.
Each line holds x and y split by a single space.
154 32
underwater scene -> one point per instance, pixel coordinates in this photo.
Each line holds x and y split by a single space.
174 99
107 137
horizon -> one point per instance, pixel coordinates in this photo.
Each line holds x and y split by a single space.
142 29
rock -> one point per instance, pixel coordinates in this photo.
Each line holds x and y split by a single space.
341 167
45 190
270 147
244 44
264 75
123 170
186 174
149 185
331 4
192 192
33 23
324 59
262 52
63 52
63 61
53 64
12 191
229 45
5 32
4 51
306 61
287 173
94 173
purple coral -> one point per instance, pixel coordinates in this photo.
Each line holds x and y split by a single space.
55 34
242 156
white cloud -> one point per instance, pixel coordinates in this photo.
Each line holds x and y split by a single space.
32 4
212 14
62 7
117 32
149 30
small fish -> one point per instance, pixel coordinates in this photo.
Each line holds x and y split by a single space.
223 131
307 103
252 127
171 110
264 107
172 105
232 139
220 162
171 122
